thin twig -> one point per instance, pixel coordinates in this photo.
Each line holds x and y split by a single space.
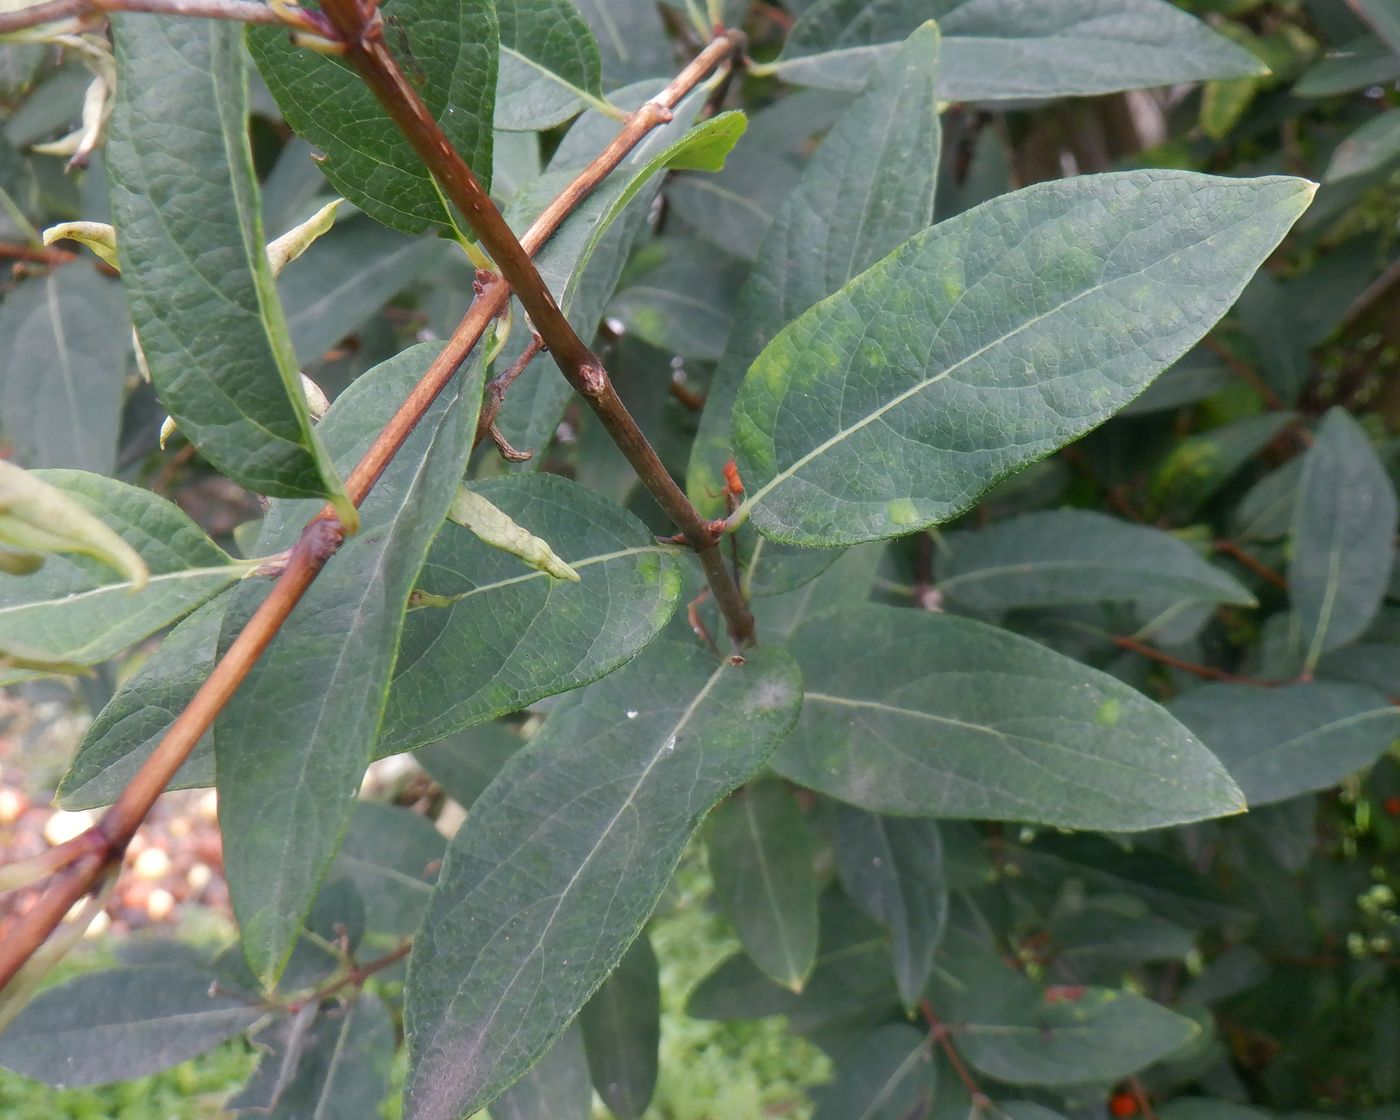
318 541
1205 672
362 35
52 11
496 392
942 1035
353 978
1252 562
1245 372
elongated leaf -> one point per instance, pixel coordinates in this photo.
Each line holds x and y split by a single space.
449 49
1371 147
122 1023
1343 536
1352 65
391 855
1000 50
1075 556
497 635
466 764
128 728
685 303
1011 1029
887 1076
631 39
65 341
984 343
550 67
869 187
294 741
761 854
193 257
893 868
1383 17
555 1088
930 714
583 261
80 611
622 1030
1280 742
599 807
1198 466
334 1065
733 209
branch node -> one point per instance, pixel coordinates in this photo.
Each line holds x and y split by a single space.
593 379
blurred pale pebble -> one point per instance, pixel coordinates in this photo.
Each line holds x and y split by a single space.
65 825
208 807
12 804
152 864
198 876
159 904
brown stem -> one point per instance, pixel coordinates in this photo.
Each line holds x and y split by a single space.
243 11
354 978
941 1034
1206 672
319 539
496 392
1252 562
1245 372
362 33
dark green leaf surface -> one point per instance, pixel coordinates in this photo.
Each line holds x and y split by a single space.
1343 536
890 1075
622 1030
1280 742
566 854
121 1023
294 741
929 714
550 67
893 868
466 764
449 49
1015 50
391 855
1059 557
631 40
1371 147
762 856
733 209
1012 1029
988 341
869 187
193 259
128 728
65 341
78 610
329 1063
510 634
556 1088
685 302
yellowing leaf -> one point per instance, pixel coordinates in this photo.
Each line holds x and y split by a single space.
471 511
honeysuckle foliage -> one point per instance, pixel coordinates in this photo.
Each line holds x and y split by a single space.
1044 405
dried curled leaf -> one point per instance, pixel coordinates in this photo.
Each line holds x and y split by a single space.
292 244
471 511
36 517
100 237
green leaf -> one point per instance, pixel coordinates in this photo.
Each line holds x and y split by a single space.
631 40
133 721
1383 17
505 635
1280 742
583 261
928 714
193 255
65 339
893 868
448 49
122 1023
1198 466
762 856
622 1032
733 209
1374 145
598 807
1343 536
1011 1029
988 341
1350 66
1060 557
889 1075
684 303
327 1060
1015 50
869 187
466 764
555 1088
293 743
550 68
391 855
79 611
